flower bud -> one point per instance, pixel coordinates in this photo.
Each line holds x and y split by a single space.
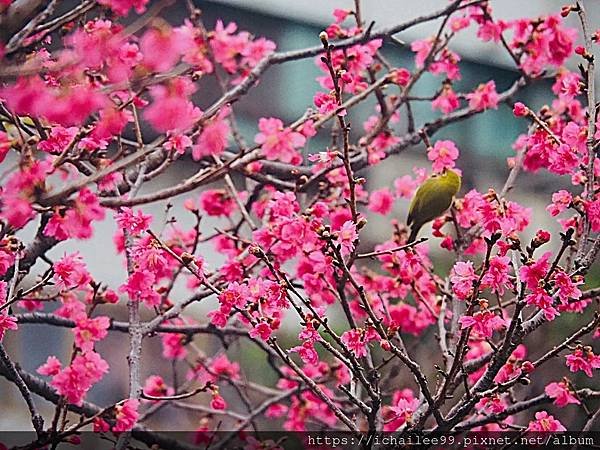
401 76
566 10
520 110
527 366
582 51
324 39
255 250
541 237
187 258
346 77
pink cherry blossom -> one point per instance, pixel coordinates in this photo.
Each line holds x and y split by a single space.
422 49
356 340
139 286
278 142
58 139
347 237
262 330
552 45
459 23
323 160
74 381
178 143
447 101
446 63
161 48
567 289
5 145
122 7
71 307
540 298
307 353
405 186
171 109
6 323
592 210
69 106
381 201
520 110
462 278
567 84
276 411
327 103
497 275
340 14
491 31
214 136
173 347
484 323
217 402
134 223
256 50
19 190
533 273
401 410
237 51
88 331
76 222
217 202
508 372
221 366
491 405
563 160
71 272
443 154
545 423
126 415
218 318
227 45
560 202
111 123
51 367
484 97
561 393
155 386
583 359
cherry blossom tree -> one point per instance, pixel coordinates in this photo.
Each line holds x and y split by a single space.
98 102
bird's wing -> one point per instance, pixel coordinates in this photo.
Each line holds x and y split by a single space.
419 200
414 207
430 201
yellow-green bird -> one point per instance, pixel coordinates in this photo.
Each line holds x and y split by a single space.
432 199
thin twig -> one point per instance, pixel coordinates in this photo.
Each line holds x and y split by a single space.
14 375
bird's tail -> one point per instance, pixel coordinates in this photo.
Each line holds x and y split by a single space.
414 231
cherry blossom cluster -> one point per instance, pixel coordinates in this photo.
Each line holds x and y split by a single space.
280 255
